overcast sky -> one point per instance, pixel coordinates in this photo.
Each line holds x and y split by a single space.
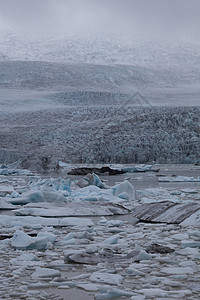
153 18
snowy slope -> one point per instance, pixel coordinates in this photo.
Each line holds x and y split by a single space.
56 76
97 63
96 50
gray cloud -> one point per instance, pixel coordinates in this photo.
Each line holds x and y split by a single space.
164 18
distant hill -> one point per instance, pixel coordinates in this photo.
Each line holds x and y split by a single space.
57 76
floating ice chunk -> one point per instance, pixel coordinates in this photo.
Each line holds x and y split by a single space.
42 273
68 242
78 222
90 287
37 222
194 220
187 263
103 221
34 196
85 235
10 171
124 187
63 164
139 297
93 193
190 244
115 230
81 276
4 171
82 183
28 256
61 184
28 197
108 278
91 179
140 168
178 179
14 194
111 223
6 189
26 259
154 292
81 257
63 287
70 252
68 283
29 222
189 191
69 236
124 196
115 223
180 236
195 233
6 204
108 292
141 255
175 193
190 252
50 236
45 212
112 240
177 270
69 210
57 184
54 196
134 272
23 241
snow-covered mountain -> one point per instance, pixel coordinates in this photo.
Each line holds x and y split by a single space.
93 62
100 100
97 50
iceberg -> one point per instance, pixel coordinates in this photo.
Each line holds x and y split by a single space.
28 197
116 194
124 190
23 241
56 184
91 179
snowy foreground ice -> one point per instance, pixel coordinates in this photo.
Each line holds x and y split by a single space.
62 241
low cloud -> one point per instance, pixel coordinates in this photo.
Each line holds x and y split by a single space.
149 18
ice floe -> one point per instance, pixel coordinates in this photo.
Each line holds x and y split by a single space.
106 278
178 179
108 292
43 273
38 222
